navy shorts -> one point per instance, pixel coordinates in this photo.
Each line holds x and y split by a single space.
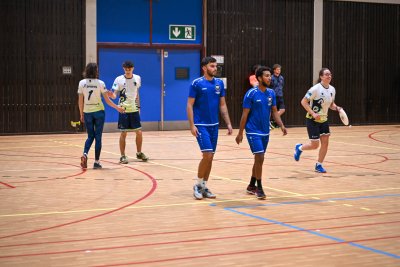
258 143
315 129
129 121
207 138
280 104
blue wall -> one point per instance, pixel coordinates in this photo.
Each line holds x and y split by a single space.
129 20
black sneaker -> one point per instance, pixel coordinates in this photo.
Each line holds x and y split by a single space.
97 165
251 189
260 193
84 161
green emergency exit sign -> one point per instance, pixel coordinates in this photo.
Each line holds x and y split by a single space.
182 32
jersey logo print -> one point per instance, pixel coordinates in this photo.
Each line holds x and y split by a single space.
317 105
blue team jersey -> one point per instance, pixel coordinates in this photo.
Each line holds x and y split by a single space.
260 105
207 96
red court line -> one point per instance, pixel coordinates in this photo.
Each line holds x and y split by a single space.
377 140
10 186
153 188
193 240
193 230
240 252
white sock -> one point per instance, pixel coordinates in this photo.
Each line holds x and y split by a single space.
203 184
97 161
200 181
319 163
301 148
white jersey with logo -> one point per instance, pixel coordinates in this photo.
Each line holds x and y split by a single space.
320 99
128 90
92 89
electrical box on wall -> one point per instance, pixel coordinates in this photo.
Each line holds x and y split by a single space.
67 70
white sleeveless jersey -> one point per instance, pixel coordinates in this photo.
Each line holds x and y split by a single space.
128 90
320 100
92 90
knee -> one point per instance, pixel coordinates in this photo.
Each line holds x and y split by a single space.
314 145
208 157
259 158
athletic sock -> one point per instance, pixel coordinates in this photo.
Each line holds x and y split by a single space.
301 147
253 181
200 181
259 185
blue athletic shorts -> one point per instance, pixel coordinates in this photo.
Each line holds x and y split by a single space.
315 129
207 138
258 143
129 121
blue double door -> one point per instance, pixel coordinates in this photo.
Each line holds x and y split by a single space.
166 76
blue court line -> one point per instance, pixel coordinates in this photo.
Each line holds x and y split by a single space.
313 201
339 240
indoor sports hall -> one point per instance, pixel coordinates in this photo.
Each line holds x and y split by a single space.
64 205
55 214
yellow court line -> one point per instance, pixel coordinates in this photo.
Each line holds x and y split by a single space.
223 178
24 147
194 202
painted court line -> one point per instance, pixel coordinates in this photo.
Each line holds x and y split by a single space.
339 240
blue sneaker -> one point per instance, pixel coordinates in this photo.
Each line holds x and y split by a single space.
297 152
319 168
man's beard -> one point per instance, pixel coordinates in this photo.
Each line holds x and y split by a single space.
211 73
265 84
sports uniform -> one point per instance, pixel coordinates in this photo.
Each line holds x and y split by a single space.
207 96
320 99
128 91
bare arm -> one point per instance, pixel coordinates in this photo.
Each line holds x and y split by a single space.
306 106
225 114
333 106
112 104
278 119
243 120
80 104
189 111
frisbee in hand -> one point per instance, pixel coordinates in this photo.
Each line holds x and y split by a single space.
343 117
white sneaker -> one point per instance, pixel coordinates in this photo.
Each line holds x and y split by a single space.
208 194
197 192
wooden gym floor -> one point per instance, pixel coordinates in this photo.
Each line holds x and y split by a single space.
143 214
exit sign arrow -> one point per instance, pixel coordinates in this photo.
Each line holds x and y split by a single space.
182 32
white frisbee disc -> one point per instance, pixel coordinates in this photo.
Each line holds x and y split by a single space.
343 117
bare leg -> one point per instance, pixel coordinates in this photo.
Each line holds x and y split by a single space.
281 111
205 165
122 142
257 167
139 140
324 147
314 144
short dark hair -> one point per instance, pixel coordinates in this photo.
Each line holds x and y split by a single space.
260 71
207 60
91 71
127 64
275 66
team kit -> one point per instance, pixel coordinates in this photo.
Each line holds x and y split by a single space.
261 112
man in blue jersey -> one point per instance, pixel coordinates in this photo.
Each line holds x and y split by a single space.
258 103
206 100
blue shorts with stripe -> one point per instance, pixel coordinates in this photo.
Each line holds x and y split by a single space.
207 138
258 143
